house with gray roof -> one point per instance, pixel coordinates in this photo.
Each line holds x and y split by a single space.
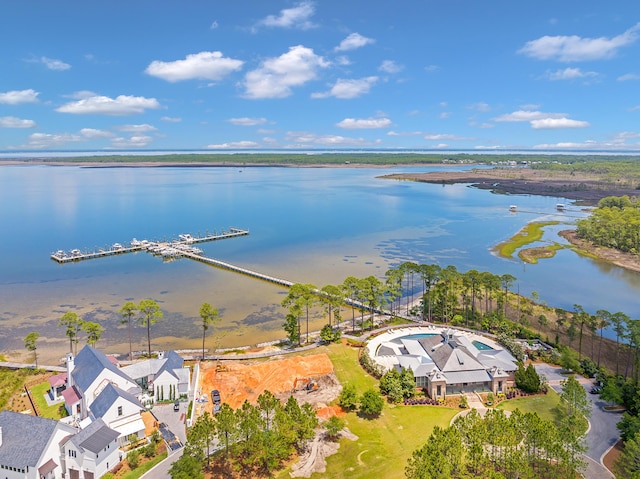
92 452
120 410
164 377
445 360
30 446
87 375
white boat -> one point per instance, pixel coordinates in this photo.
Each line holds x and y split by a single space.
186 237
116 246
560 206
75 252
135 242
513 208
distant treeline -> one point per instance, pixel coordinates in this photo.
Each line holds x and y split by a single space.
578 162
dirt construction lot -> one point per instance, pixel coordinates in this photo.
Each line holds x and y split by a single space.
241 380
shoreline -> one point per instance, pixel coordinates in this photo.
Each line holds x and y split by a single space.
623 260
583 188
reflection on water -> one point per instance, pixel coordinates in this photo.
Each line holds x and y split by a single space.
312 225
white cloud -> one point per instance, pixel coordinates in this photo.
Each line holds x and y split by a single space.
404 133
389 66
557 123
527 115
202 66
569 74
94 134
53 64
81 94
276 76
445 136
234 144
346 89
16 97
136 141
214 25
574 48
264 131
244 121
479 106
445 114
142 128
432 68
171 119
629 77
352 42
342 60
13 122
364 123
309 139
103 105
295 17
47 140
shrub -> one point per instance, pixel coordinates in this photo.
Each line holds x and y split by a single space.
348 398
371 403
334 425
133 459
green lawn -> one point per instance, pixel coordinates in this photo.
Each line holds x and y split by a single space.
384 444
139 471
545 405
37 394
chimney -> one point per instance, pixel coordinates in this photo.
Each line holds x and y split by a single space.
70 366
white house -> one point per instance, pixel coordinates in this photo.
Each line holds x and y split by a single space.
87 375
30 446
120 410
92 452
164 377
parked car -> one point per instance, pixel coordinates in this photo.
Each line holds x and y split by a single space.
176 406
215 397
595 390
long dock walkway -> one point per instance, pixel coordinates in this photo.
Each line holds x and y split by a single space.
173 248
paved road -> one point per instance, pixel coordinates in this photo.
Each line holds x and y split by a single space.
603 433
173 419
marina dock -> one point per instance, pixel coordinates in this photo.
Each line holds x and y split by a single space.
167 249
184 247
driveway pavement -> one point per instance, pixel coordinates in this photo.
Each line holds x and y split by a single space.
603 433
175 420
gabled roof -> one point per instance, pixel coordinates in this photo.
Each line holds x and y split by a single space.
155 367
449 355
108 396
24 438
89 363
95 437
58 380
173 361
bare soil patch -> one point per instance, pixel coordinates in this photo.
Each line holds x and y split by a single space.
589 189
246 381
612 456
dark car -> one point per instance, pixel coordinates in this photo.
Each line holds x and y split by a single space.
176 406
596 390
215 397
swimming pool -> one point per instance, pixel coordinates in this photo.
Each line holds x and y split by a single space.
481 346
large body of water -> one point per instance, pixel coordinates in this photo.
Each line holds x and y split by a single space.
311 225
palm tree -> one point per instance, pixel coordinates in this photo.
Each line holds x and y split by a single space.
604 321
210 316
30 344
73 323
507 281
350 288
94 331
430 274
127 312
150 314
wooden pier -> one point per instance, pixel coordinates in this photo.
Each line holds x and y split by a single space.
175 248
183 248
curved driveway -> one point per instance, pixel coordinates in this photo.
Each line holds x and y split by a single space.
603 433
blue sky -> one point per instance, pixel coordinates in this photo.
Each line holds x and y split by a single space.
320 74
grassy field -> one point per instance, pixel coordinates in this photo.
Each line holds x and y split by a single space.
11 382
37 394
140 470
385 443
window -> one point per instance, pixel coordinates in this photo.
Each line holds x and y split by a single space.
439 390
119 410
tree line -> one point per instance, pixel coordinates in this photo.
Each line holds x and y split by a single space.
250 439
615 223
522 446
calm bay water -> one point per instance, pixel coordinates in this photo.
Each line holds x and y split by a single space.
312 225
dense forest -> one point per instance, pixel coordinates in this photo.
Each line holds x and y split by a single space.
614 224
